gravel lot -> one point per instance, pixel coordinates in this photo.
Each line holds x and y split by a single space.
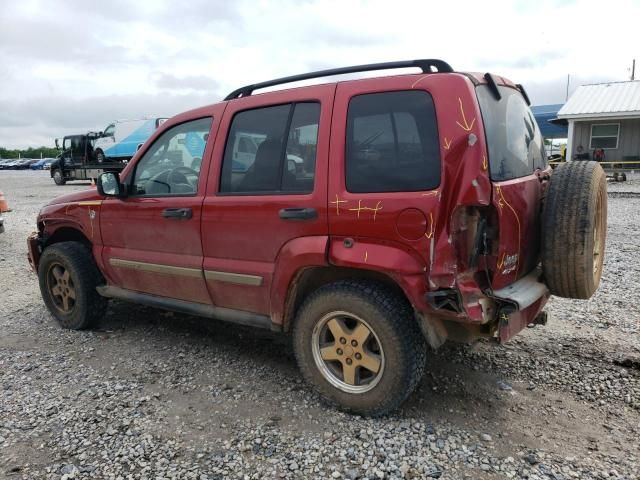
152 394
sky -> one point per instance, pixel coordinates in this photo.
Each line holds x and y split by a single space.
71 66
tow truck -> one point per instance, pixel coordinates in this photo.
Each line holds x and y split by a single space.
77 160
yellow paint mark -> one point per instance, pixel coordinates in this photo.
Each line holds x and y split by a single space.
418 81
366 255
447 143
465 125
485 164
360 208
501 262
499 191
337 203
91 203
429 234
92 214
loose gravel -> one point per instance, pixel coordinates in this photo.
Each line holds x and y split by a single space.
154 395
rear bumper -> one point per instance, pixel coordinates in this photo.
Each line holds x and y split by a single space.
522 300
525 292
35 249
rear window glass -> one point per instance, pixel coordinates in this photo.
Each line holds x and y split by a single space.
392 143
513 137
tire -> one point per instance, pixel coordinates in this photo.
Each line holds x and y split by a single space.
623 177
574 229
69 267
58 177
100 158
394 341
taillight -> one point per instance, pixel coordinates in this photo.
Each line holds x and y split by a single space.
474 230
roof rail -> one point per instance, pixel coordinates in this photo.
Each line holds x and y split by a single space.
426 65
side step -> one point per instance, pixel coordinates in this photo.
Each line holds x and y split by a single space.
200 309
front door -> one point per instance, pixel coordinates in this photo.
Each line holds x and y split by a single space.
267 187
152 237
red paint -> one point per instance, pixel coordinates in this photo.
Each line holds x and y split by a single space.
412 224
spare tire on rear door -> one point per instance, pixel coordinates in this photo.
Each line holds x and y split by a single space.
574 229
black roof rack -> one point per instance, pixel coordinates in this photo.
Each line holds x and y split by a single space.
426 65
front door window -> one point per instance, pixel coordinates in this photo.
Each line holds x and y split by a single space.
172 164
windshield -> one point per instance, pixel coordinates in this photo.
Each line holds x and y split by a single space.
513 138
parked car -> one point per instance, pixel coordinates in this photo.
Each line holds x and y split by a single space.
43 164
23 163
9 164
402 225
122 139
4 162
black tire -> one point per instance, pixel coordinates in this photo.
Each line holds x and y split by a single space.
616 177
392 321
623 177
58 177
574 228
74 260
100 158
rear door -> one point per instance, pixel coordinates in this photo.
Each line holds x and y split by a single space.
264 195
385 172
516 161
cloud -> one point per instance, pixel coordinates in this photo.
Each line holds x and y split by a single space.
77 65
192 82
44 119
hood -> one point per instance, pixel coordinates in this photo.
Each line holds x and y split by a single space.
84 195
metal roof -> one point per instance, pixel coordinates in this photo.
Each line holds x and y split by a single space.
613 99
543 115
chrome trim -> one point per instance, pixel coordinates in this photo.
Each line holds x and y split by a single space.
155 268
237 278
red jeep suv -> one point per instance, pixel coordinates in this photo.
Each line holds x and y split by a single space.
370 218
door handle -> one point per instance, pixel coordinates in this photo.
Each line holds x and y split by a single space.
298 213
177 213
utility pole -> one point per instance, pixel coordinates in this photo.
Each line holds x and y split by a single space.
567 95
633 70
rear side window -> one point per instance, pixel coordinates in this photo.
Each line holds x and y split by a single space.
513 137
272 150
392 143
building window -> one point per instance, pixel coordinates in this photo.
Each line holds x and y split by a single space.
605 136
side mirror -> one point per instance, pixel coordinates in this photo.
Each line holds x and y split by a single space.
109 185
57 145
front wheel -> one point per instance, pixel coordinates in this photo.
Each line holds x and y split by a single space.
100 156
358 343
58 178
68 278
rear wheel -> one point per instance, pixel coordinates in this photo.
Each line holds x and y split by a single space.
99 156
58 178
68 279
574 229
359 344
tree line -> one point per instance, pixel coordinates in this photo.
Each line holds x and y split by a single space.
40 152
